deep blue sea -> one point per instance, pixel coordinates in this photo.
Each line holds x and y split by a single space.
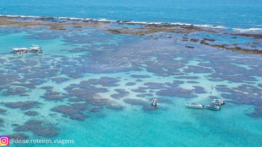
228 13
95 87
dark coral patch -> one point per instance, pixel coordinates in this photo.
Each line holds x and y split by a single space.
95 110
91 98
140 90
215 79
5 79
115 107
53 95
153 85
213 97
76 50
2 111
140 76
23 105
104 81
248 88
27 85
107 81
1 88
192 82
188 77
230 74
47 87
130 84
83 91
199 89
176 92
197 69
2 60
1 122
175 83
44 35
223 88
31 113
242 94
121 93
74 111
191 47
60 79
146 106
257 113
18 136
135 102
144 95
165 100
79 117
194 40
39 128
243 98
239 78
14 91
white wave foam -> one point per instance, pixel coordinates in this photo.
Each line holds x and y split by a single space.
253 30
179 23
126 22
211 26
22 16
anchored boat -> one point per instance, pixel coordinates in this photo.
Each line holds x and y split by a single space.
36 49
33 49
213 107
154 102
218 102
19 50
194 106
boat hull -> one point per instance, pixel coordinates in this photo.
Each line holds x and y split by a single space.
195 107
214 108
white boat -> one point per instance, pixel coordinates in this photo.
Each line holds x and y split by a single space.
218 102
33 48
19 50
36 49
213 107
194 106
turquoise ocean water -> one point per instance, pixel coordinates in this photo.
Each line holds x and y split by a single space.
234 13
95 88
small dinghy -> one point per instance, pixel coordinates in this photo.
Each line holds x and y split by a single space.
194 106
213 107
154 102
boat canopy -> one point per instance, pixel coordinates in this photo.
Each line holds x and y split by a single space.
18 49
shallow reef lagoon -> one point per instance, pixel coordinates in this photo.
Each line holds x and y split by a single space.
243 14
95 87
